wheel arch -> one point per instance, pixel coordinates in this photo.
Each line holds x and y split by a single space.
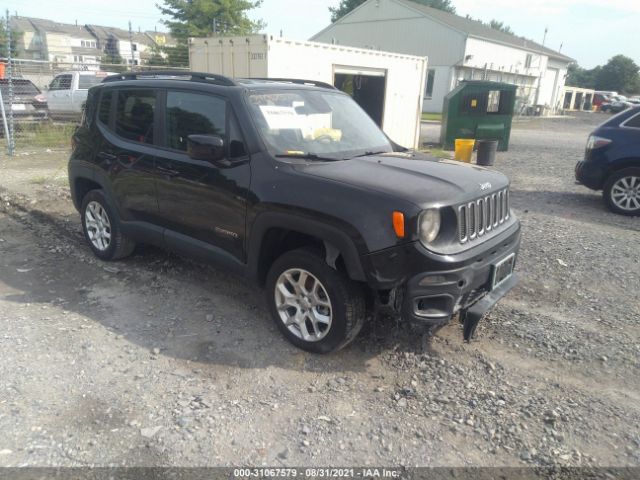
274 233
621 164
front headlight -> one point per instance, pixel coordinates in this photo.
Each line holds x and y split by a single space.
429 225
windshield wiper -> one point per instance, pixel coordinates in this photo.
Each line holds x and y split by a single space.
308 156
367 154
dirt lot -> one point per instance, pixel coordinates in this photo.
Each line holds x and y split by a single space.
157 360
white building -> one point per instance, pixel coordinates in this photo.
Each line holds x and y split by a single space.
458 49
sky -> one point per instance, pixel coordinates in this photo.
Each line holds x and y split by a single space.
590 31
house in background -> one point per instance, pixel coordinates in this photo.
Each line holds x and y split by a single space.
458 49
134 49
43 39
84 46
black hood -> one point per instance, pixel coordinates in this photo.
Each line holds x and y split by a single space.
417 178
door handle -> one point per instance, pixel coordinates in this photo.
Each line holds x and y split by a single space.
168 171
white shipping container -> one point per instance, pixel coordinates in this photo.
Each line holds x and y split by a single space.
389 86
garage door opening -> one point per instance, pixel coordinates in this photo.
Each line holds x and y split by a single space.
366 88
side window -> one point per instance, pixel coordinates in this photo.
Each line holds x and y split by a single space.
89 108
135 110
55 83
193 113
65 82
633 122
105 107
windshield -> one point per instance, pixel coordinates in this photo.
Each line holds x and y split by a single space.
311 122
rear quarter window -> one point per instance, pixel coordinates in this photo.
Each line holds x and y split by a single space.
135 112
633 122
104 108
89 109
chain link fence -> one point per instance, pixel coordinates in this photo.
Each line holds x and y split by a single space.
42 101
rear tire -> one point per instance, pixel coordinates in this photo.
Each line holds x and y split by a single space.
316 308
102 229
621 192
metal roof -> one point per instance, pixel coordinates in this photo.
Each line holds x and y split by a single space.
475 28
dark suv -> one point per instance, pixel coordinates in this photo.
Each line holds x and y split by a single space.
290 183
612 162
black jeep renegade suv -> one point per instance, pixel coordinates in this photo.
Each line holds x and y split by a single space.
290 183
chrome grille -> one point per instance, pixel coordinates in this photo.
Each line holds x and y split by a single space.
477 218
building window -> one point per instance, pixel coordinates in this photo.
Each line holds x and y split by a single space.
527 62
431 77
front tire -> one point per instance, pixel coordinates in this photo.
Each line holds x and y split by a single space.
102 229
316 308
621 192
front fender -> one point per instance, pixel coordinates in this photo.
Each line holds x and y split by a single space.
337 232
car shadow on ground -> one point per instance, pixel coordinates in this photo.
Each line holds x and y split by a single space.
585 207
158 300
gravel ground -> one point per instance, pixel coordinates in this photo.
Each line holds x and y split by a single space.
157 360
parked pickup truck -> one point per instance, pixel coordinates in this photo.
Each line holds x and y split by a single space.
290 183
67 93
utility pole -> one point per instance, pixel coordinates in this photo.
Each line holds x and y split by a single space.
131 46
544 39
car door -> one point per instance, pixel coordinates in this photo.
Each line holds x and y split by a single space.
59 96
126 152
201 202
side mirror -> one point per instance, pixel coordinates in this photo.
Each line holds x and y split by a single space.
205 147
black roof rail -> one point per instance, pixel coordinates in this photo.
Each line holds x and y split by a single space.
193 76
298 81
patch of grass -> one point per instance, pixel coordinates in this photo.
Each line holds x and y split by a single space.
435 117
46 135
436 152
39 180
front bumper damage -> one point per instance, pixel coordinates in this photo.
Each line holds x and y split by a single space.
438 287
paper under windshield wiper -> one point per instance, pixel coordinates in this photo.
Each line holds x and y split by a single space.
307 156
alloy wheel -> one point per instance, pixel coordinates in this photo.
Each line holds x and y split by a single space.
625 193
303 304
98 226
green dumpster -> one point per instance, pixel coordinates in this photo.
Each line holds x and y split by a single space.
481 110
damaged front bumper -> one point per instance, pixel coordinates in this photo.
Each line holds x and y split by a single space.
437 287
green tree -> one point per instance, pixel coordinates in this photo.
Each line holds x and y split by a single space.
201 18
346 6
582 77
620 74
112 61
15 37
500 26
158 56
